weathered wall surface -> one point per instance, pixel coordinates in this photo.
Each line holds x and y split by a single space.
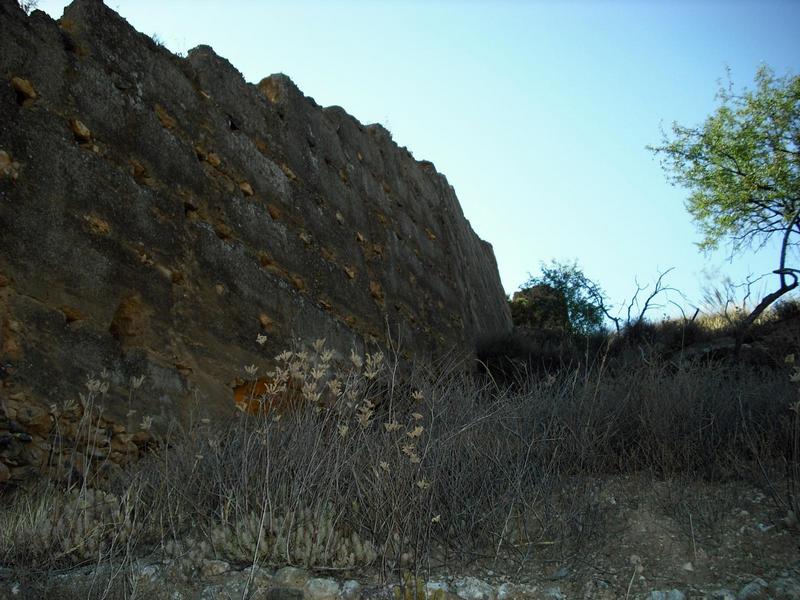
158 212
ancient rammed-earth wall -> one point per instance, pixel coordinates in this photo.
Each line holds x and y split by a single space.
158 212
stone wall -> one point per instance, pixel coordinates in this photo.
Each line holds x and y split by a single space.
158 213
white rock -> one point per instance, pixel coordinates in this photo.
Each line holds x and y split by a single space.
291 577
752 590
350 588
432 586
150 572
505 590
472 588
668 595
554 594
259 575
518 590
321 589
560 573
213 568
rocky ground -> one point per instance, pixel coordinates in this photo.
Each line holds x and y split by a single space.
651 540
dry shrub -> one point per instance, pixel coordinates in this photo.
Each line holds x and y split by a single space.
378 471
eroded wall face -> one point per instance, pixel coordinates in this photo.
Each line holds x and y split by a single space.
157 213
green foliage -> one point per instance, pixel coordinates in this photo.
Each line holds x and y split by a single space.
743 169
540 307
742 165
561 297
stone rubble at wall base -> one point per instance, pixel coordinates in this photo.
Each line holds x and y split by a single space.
166 580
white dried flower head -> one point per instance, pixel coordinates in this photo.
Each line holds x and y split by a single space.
392 426
146 424
130 413
105 374
418 396
284 356
302 356
789 359
795 377
551 379
273 388
276 417
96 386
318 373
251 370
309 391
205 420
92 384
384 465
373 366
343 429
365 413
795 407
8 166
409 449
437 519
261 339
137 381
319 345
335 386
417 416
423 484
356 359
416 432
281 375
326 356
296 370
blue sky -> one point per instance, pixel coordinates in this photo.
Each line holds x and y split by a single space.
537 112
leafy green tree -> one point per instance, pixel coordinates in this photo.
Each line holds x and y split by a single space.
569 298
742 166
539 307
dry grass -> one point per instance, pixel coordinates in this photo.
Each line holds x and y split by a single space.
382 473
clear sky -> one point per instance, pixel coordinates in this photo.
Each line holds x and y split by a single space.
538 112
